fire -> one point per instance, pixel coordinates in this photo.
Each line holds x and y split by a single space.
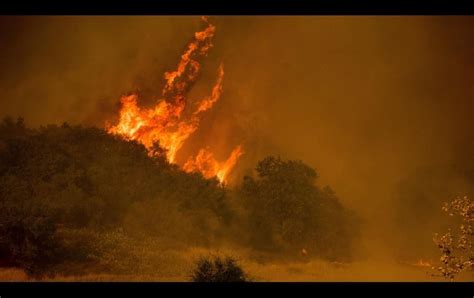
167 124
210 167
422 263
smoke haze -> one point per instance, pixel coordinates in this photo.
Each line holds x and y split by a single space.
382 107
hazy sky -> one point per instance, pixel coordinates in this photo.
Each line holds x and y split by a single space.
365 100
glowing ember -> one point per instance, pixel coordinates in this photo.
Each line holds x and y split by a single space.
422 263
165 124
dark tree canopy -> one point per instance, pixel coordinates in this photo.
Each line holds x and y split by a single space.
288 211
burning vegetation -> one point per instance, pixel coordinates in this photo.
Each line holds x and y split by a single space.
167 124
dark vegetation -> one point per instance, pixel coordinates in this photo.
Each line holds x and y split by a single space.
218 269
76 199
287 211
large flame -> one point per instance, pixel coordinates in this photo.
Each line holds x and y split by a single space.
165 123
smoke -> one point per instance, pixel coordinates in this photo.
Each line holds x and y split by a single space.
370 102
76 68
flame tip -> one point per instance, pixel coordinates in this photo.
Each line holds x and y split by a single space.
163 124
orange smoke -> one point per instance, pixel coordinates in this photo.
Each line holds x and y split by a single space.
165 124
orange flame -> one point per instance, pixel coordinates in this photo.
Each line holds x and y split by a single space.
210 167
209 101
165 124
422 263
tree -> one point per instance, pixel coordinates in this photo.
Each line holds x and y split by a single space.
457 250
287 211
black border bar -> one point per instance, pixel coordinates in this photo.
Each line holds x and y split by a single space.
149 289
235 7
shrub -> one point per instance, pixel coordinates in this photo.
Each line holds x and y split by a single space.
218 269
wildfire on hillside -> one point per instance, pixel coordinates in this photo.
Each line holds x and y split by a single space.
166 123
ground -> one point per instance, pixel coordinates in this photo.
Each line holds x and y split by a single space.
260 270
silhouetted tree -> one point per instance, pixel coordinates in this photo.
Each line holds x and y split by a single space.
288 211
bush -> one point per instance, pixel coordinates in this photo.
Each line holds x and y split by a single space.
218 269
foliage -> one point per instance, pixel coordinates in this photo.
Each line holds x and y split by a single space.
75 197
457 250
287 211
218 269
83 178
29 240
